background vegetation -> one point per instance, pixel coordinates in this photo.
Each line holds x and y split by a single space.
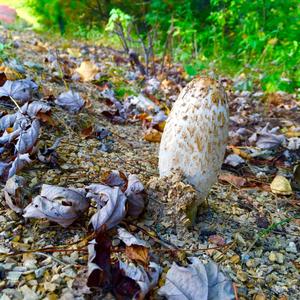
255 40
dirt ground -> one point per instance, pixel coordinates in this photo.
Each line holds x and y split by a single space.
253 232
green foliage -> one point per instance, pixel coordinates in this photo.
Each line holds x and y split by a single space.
256 40
117 16
4 51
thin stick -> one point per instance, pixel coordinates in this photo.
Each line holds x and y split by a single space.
16 104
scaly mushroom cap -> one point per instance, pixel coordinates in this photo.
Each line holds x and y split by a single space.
195 136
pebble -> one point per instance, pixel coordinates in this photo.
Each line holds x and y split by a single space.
250 263
235 259
279 258
40 272
292 248
272 256
240 240
13 276
242 276
28 293
259 296
51 287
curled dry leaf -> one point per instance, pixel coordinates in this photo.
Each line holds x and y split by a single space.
139 254
19 163
197 281
103 274
136 249
234 160
28 137
129 239
20 90
115 178
9 135
145 280
268 139
7 121
136 196
110 205
14 193
71 101
57 204
99 262
33 108
3 168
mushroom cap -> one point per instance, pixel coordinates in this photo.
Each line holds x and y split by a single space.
195 136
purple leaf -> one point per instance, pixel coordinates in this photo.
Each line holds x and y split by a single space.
7 121
57 204
111 206
71 101
33 108
197 281
19 163
136 196
20 90
28 137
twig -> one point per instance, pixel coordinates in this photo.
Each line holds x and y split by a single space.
235 291
16 104
52 257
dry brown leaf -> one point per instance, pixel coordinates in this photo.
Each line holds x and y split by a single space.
153 135
87 71
45 118
232 179
87 132
240 152
3 78
140 254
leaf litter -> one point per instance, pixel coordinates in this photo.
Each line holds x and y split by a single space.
262 261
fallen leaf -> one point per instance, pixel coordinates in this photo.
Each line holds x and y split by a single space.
267 139
234 160
216 240
115 178
139 254
14 193
232 179
129 239
136 196
87 71
103 274
293 143
2 78
153 135
280 185
19 163
99 262
70 101
28 137
110 205
20 90
57 204
87 132
197 281
145 279
7 121
33 108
